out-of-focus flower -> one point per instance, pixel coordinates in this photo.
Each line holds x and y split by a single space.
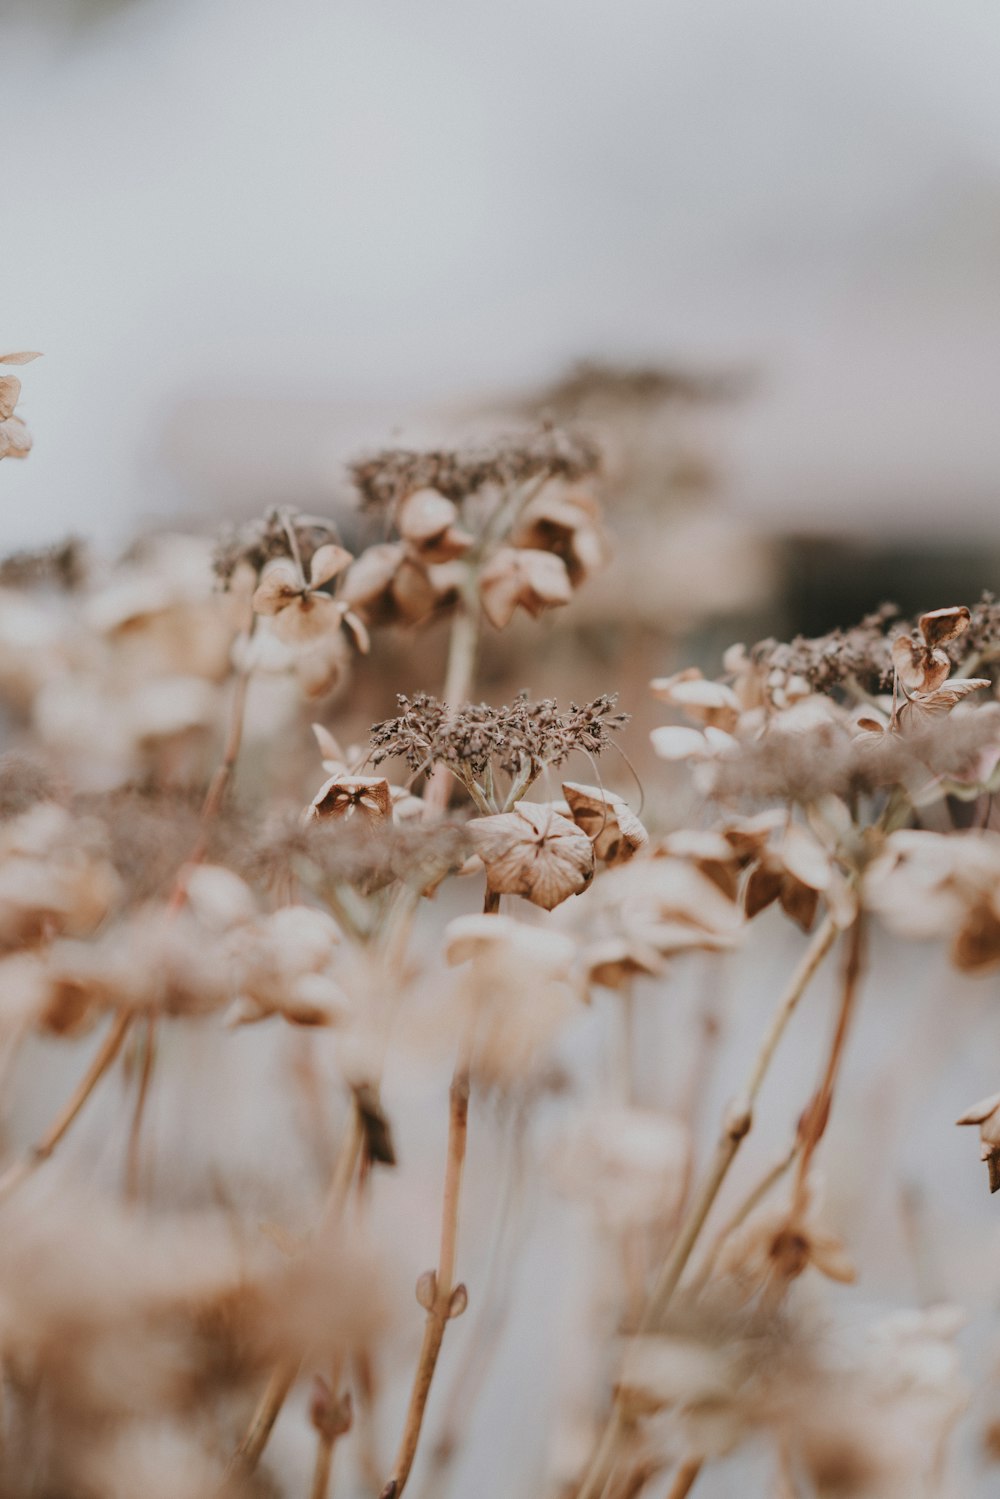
522 578
282 964
15 439
534 852
778 1245
388 585
986 1114
629 1164
566 522
294 600
928 884
54 878
428 522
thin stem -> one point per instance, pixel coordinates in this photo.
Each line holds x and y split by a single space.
248 1454
817 1116
458 679
19 1171
133 1160
737 1124
219 783
685 1478
752 1200
440 1310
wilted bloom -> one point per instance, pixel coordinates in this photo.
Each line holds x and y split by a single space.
629 1164
15 439
343 795
428 522
282 965
607 820
795 870
986 1114
777 1245
388 585
534 852
566 522
298 608
522 578
711 704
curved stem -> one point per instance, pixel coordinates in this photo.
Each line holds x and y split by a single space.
20 1170
440 1310
737 1124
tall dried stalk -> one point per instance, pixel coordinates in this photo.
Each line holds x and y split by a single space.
737 1124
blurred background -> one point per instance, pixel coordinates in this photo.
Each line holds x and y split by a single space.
252 238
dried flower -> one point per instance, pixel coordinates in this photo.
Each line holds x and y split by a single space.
516 578
986 1114
15 439
535 853
607 820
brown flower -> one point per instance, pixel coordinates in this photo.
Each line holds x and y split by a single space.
343 795
794 872
986 1114
568 524
388 585
522 578
534 852
299 610
607 820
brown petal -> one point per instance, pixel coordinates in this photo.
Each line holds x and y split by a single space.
371 574
942 625
308 618
799 901
525 578
919 668
763 888
25 358
607 820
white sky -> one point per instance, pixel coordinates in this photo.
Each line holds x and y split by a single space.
397 200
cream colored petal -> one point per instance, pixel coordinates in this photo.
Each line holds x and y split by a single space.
280 584
25 358
10 390
328 562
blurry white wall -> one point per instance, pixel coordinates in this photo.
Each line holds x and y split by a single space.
392 202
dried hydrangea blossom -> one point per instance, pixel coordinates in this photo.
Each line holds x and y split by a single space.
385 480
986 1114
533 852
477 741
926 885
519 578
295 602
283 963
607 820
15 439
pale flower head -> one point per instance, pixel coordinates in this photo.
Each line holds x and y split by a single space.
534 852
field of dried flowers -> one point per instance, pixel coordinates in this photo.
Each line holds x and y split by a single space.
341 1079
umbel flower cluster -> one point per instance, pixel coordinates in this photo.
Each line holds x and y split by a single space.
249 942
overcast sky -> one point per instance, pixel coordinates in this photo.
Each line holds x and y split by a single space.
404 200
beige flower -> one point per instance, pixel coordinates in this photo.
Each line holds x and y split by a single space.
567 523
629 1164
711 704
428 523
534 852
283 966
388 585
795 872
607 820
986 1114
470 937
777 1246
15 439
299 611
522 578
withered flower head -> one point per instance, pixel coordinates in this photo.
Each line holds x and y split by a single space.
520 578
388 478
278 535
389 584
566 522
343 795
534 852
294 599
986 1114
15 439
607 820
522 734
